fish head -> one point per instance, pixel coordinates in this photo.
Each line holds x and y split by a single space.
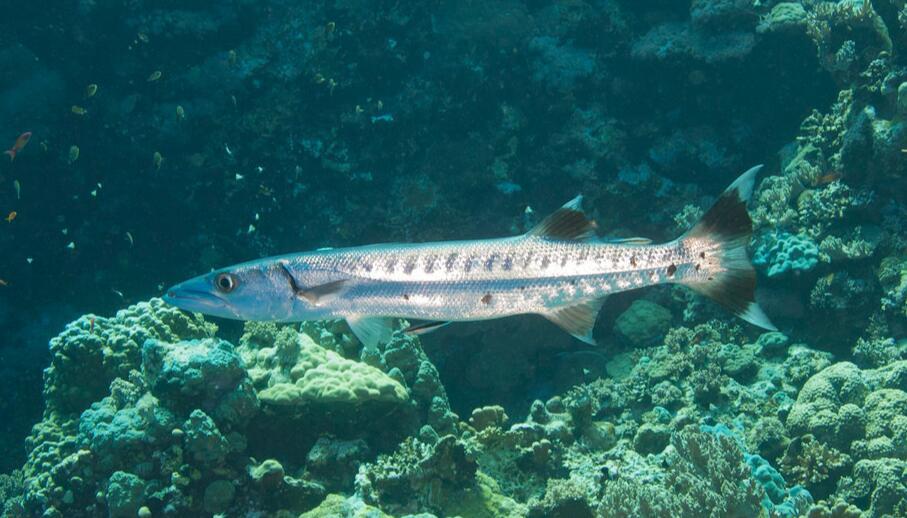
248 291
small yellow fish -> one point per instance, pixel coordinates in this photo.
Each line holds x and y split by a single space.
157 159
154 76
12 215
180 112
78 110
90 90
73 153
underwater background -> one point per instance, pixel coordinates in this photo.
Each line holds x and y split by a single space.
169 138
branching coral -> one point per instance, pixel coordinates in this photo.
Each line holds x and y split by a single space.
706 474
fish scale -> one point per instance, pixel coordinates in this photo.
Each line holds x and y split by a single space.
554 276
559 270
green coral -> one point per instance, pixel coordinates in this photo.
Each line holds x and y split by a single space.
643 322
706 476
335 505
308 374
420 476
784 17
94 350
813 464
859 415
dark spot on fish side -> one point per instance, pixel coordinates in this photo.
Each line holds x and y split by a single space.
633 261
545 261
390 264
468 266
430 263
486 298
409 267
451 260
672 269
508 263
367 267
702 255
697 267
489 263
406 296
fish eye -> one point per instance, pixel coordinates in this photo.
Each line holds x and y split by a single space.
225 282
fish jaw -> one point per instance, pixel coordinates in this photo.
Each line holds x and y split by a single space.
195 295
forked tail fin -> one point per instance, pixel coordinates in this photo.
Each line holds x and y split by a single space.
725 229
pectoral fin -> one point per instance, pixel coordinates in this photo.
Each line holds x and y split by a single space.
425 327
323 293
638 241
371 330
579 319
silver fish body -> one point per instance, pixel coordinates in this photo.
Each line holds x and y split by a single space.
559 270
476 280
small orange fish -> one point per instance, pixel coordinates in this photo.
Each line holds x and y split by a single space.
12 215
20 143
828 177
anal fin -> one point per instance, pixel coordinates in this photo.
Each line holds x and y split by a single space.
578 319
371 330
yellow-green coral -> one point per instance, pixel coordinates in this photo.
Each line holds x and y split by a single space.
302 372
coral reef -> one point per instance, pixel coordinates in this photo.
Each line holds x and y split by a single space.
279 126
175 430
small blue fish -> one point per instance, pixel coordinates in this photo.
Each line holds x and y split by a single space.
559 270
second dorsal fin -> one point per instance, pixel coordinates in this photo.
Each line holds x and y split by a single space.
567 223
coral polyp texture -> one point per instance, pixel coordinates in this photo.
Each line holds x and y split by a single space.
149 142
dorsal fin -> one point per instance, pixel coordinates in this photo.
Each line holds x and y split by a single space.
567 223
579 319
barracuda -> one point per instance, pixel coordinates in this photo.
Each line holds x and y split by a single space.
559 270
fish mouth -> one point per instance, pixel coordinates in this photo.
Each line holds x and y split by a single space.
190 299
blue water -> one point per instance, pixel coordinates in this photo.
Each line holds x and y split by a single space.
170 138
